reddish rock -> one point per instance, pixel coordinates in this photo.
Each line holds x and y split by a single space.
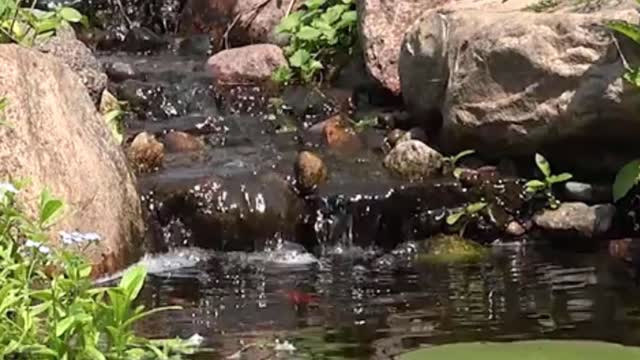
146 152
340 136
620 248
246 65
310 171
178 141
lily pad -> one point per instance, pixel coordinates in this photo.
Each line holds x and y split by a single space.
526 350
448 249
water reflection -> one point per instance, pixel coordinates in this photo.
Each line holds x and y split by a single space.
521 293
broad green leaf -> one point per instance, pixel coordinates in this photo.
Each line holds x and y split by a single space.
333 14
554 179
626 179
308 33
132 281
475 207
454 217
543 165
314 4
70 14
289 23
299 58
50 211
629 30
350 17
91 352
535 185
64 325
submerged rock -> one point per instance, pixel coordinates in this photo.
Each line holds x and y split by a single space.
79 58
310 171
179 141
246 65
569 84
446 249
574 218
413 160
57 139
146 152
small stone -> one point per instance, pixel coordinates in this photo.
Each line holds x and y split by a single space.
447 249
340 136
413 160
120 71
589 193
393 137
575 218
514 228
248 64
310 171
178 141
140 39
414 134
146 152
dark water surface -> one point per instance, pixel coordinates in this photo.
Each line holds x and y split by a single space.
347 306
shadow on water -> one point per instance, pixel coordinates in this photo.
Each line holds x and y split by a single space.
355 306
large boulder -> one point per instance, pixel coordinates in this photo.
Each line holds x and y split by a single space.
255 20
56 139
514 81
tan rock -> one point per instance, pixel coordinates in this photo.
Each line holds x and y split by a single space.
179 141
146 152
413 160
58 140
310 171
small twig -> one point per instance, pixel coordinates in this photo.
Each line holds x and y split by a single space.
625 63
290 8
225 38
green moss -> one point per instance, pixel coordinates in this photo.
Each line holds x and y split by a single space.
446 249
534 350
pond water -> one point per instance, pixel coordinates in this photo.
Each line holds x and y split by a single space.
354 306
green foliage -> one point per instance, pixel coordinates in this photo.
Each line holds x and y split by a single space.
450 163
465 215
317 32
542 6
452 249
545 185
25 25
113 110
537 349
632 31
3 105
49 309
626 179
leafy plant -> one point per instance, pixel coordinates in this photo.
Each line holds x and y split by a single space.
626 179
25 25
3 105
450 163
631 31
545 185
317 32
465 215
542 6
113 110
49 308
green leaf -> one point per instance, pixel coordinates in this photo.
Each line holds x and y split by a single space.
299 58
535 185
132 281
70 14
461 155
629 30
91 352
64 325
314 4
543 165
454 217
308 33
333 14
50 209
626 179
289 23
475 207
554 179
350 17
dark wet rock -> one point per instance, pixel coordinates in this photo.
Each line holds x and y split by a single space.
414 134
589 193
246 65
57 140
310 171
577 219
119 71
476 177
413 160
146 152
79 58
621 248
178 141
141 39
515 229
256 20
194 45
448 249
338 134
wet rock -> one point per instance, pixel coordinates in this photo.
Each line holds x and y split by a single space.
256 20
574 218
414 134
589 193
338 134
246 65
447 249
120 71
194 45
146 152
486 108
392 138
79 58
413 160
310 171
58 140
178 141
621 248
141 39
515 229
382 25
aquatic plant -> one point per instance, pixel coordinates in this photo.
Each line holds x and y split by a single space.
545 185
25 25
626 178
451 249
317 33
631 31
465 215
450 163
49 308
